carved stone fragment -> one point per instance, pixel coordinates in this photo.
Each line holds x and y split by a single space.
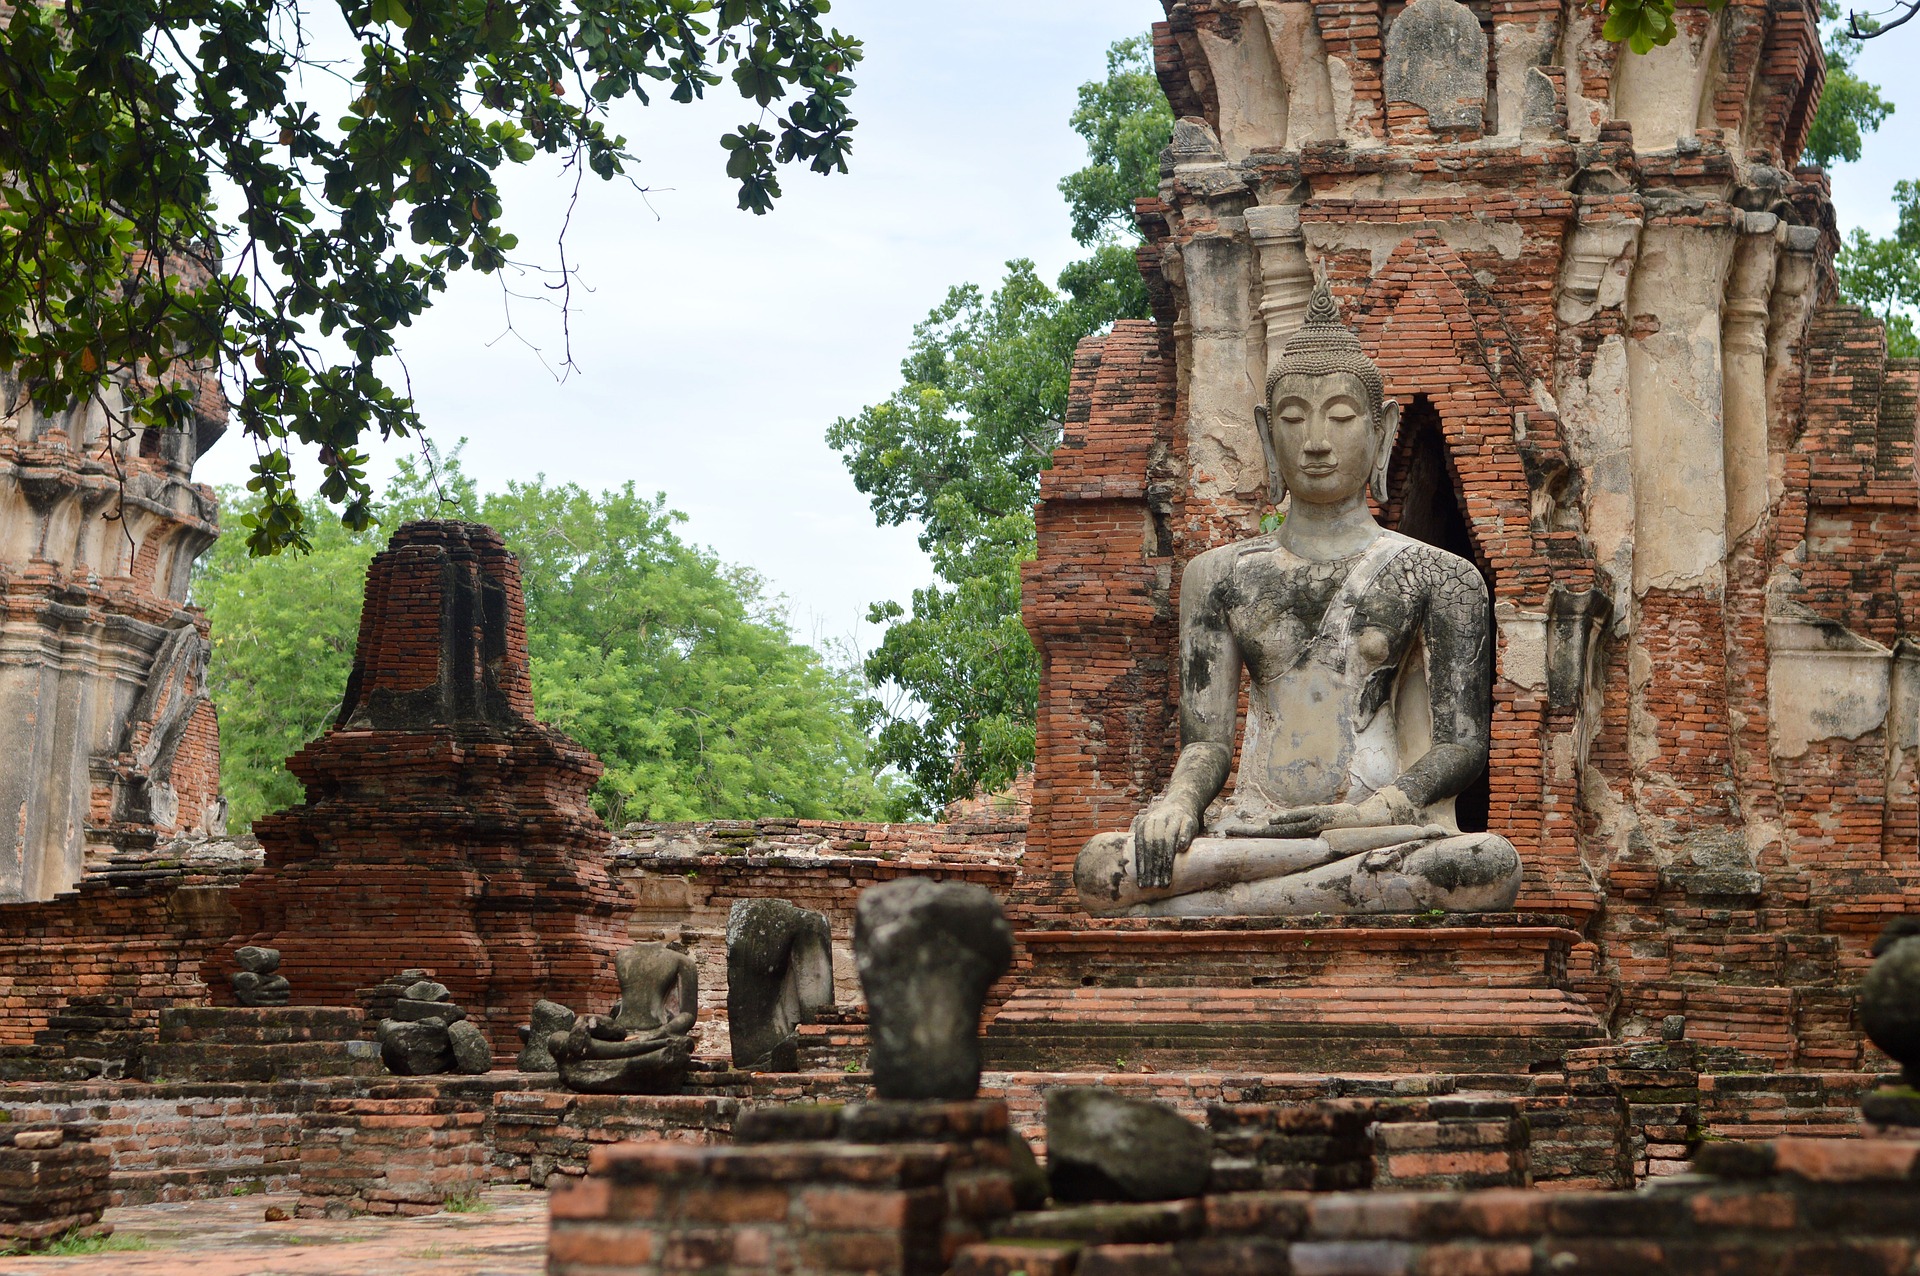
549 1017
644 1046
415 1049
415 1037
1437 58
779 971
257 982
927 953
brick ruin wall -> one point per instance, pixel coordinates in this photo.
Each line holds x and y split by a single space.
1687 472
110 739
1708 696
684 878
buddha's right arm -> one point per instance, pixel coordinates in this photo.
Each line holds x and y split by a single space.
1209 686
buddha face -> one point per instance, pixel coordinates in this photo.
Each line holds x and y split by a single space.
1324 438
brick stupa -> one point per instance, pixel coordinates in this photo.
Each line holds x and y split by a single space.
444 827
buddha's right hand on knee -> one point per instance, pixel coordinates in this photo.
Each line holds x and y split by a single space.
1165 830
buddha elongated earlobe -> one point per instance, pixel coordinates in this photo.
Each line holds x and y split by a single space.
1276 481
1389 432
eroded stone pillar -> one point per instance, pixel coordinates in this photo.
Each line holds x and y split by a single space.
1744 340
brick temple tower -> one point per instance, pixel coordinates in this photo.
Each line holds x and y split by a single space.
1602 286
443 826
107 738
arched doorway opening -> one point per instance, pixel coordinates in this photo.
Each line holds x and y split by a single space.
1426 505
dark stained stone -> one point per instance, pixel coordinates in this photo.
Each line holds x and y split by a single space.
1029 1180
643 1047
471 1052
1102 1146
1436 57
257 982
407 1010
415 1049
549 1017
779 971
1890 995
927 953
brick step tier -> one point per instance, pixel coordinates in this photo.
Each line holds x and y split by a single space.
261 1043
1388 998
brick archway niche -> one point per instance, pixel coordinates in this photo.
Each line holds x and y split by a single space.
1424 502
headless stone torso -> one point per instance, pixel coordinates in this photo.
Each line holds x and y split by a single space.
1368 657
1320 709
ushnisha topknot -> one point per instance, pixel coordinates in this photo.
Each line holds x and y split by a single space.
1323 345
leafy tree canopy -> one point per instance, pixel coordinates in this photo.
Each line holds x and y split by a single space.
671 665
1849 107
1883 274
959 448
121 120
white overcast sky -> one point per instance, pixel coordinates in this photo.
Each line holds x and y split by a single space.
716 347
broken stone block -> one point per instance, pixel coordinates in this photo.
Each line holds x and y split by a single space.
413 1049
1436 57
407 1010
549 1017
257 982
472 1054
1102 1146
927 953
779 971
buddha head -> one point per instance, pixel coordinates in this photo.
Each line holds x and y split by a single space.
1326 427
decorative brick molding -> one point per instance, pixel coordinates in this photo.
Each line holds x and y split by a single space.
111 741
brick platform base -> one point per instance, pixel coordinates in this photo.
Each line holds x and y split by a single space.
1395 995
923 1181
405 1155
52 1182
542 1133
1351 1144
261 1043
1798 1206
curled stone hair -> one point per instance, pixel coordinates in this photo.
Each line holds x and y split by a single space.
1324 345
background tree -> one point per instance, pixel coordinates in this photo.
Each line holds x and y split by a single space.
959 448
1883 274
674 667
119 119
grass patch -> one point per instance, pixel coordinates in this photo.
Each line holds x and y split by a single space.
75 1245
466 1203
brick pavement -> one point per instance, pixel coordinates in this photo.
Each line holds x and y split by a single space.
228 1237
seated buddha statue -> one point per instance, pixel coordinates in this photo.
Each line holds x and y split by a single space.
1369 661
